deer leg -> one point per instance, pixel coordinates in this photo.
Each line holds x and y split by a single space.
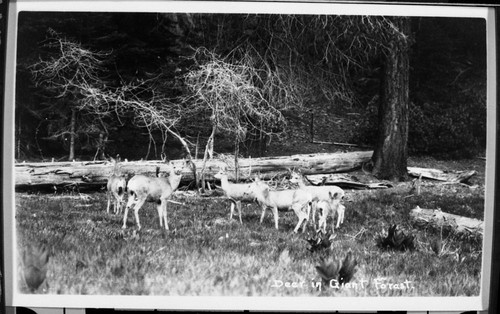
163 206
109 201
333 220
306 214
138 206
297 208
238 207
314 207
121 202
341 217
305 220
118 203
264 208
130 203
301 218
324 225
232 209
114 204
275 213
125 218
159 209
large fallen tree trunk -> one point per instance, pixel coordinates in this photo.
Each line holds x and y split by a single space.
439 219
346 181
440 175
97 173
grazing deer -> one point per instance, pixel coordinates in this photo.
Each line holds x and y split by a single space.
327 207
330 194
296 200
143 189
116 189
235 192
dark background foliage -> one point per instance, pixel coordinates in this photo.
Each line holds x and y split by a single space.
447 89
447 80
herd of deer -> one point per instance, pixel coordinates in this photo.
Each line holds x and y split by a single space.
304 200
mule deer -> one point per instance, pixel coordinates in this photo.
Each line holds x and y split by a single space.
235 192
330 194
326 208
296 200
143 189
116 189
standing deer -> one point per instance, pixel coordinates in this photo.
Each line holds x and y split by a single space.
116 189
296 200
326 208
143 189
235 192
330 194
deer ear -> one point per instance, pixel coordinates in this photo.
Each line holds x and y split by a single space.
334 195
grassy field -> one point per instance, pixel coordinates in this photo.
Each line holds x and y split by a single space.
206 254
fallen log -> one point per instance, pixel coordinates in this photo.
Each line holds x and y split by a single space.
341 144
346 181
97 173
440 219
440 175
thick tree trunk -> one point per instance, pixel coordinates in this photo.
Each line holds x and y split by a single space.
97 173
390 155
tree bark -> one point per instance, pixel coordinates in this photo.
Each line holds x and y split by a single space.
236 160
390 155
97 173
72 135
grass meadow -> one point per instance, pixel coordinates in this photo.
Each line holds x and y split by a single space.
206 254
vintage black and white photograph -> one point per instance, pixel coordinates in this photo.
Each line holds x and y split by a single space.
249 154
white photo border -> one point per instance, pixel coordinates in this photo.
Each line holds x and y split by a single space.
14 298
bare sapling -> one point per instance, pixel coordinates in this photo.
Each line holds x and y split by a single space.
157 189
116 189
329 208
296 199
235 192
319 193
